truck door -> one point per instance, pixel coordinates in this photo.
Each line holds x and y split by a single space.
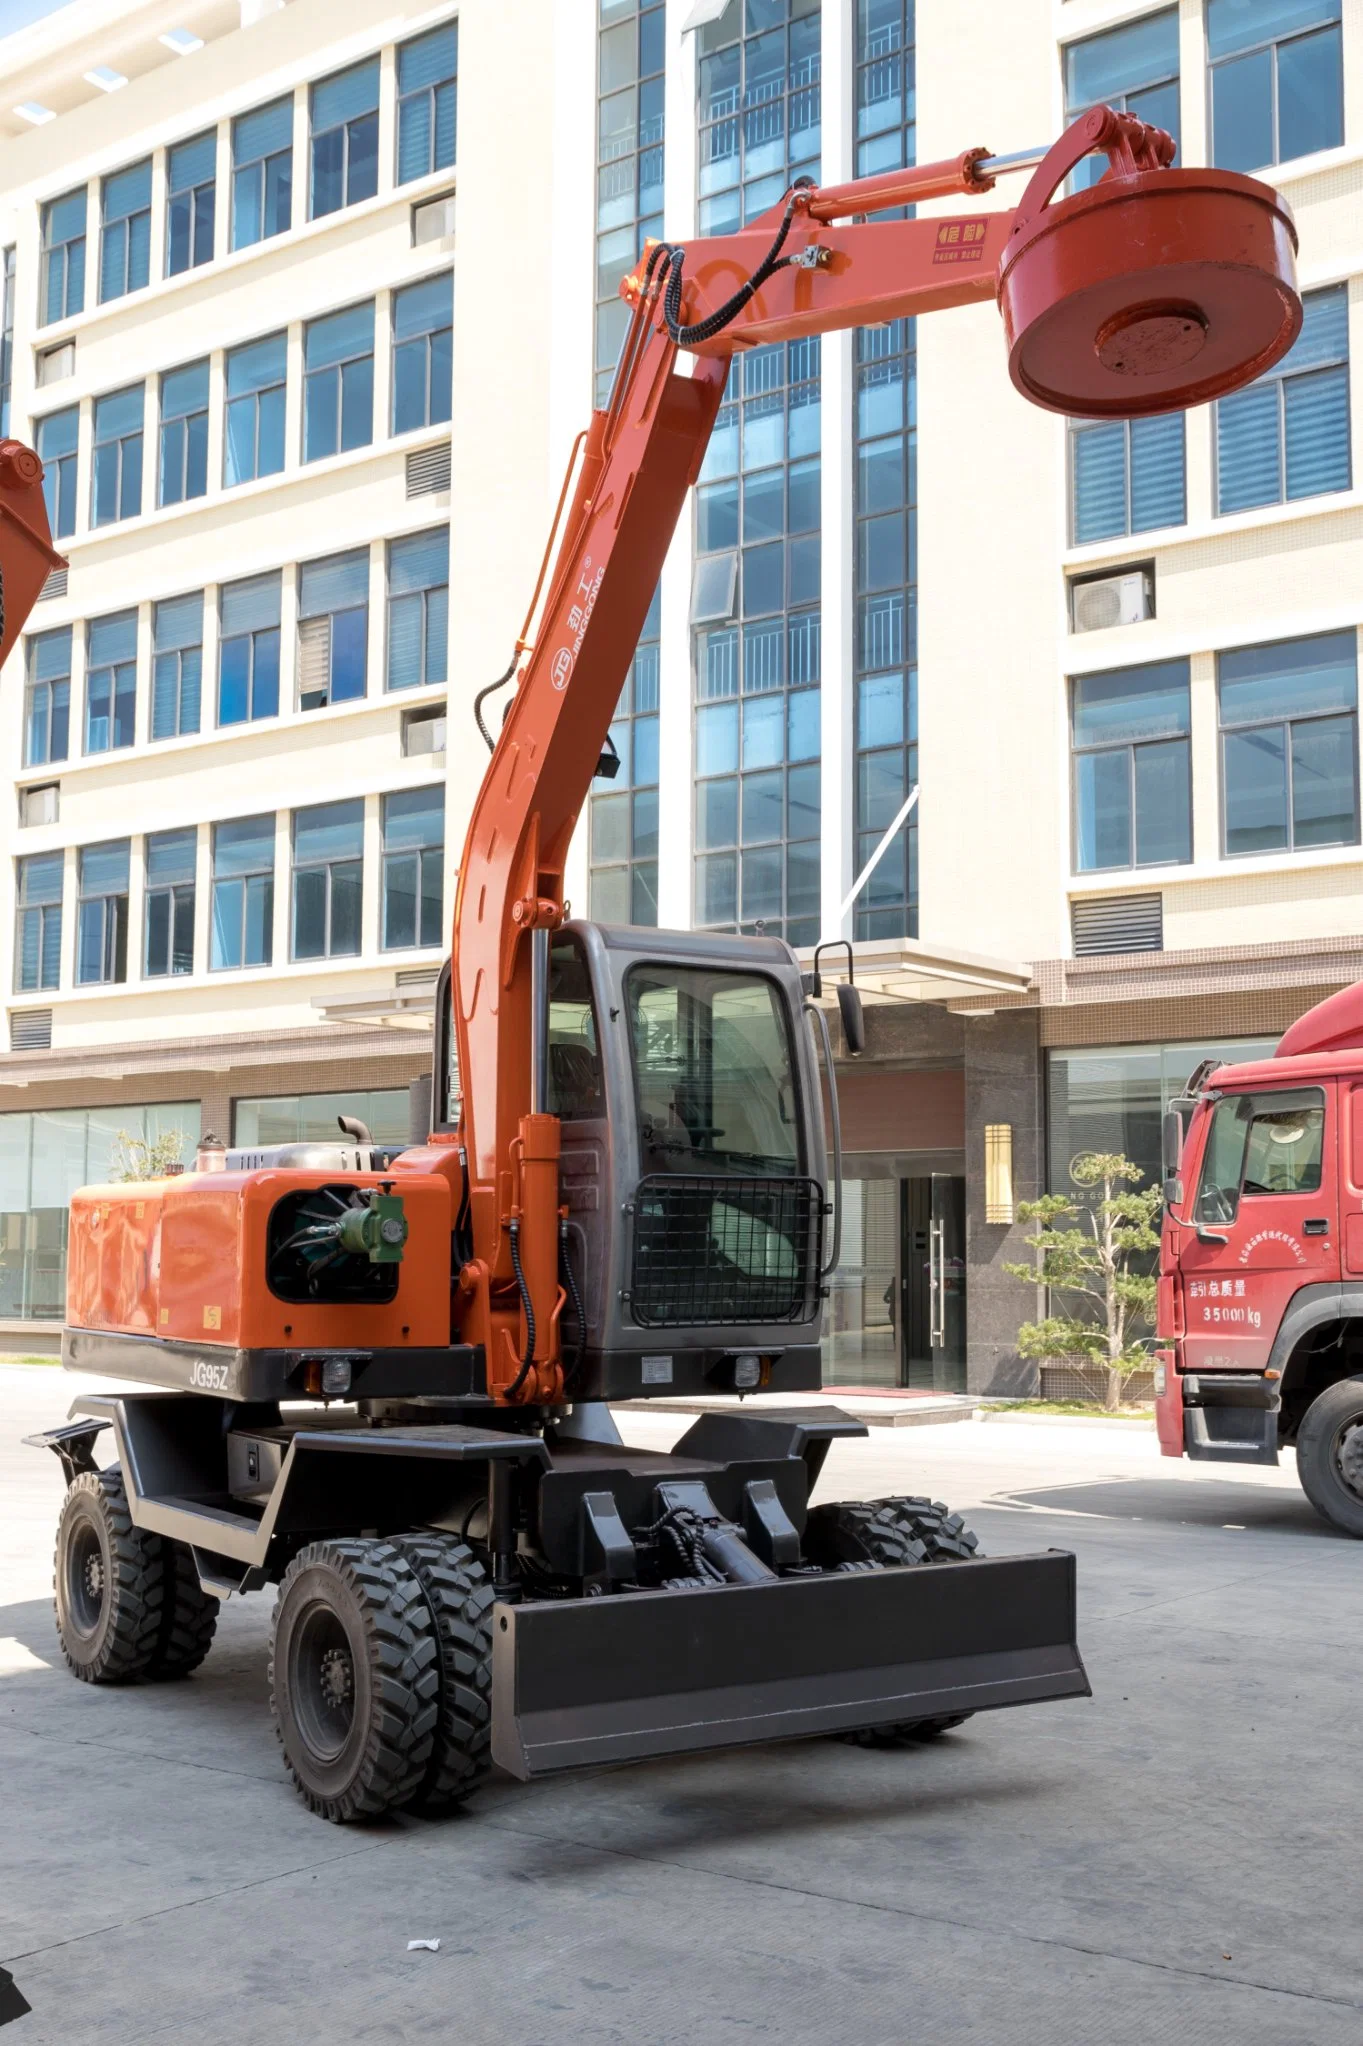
1351 1176
1266 1222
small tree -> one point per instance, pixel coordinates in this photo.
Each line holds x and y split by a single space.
146 1157
1089 1260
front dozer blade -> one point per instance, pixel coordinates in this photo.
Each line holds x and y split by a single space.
595 1680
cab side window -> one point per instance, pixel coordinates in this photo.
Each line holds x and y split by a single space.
576 1090
1261 1144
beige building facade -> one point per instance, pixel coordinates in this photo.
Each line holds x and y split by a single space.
1120 669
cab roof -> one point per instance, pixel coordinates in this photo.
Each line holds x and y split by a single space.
1310 1067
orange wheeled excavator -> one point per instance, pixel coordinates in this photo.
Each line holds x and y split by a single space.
387 1371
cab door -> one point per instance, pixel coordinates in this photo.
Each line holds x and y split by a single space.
1265 1222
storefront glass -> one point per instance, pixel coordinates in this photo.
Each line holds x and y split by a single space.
44 1158
1112 1099
311 1118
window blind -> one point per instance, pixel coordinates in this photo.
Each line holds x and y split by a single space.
346 96
423 307
265 132
428 59
339 336
335 584
251 605
128 191
104 868
40 879
421 563
179 623
193 163
243 846
113 639
120 413
49 656
184 390
170 856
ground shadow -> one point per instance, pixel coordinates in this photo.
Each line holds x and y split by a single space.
1181 1503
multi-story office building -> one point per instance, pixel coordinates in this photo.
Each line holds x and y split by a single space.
1121 660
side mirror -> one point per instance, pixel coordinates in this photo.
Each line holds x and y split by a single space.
853 1018
1172 1145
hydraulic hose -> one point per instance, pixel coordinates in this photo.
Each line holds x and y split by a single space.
575 1299
723 316
528 1309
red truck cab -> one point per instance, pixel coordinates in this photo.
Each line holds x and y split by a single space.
1260 1318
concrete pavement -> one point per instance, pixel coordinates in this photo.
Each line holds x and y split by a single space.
1174 1859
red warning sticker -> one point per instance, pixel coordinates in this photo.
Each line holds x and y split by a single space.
960 241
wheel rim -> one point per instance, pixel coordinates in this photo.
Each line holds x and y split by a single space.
87 1579
1349 1457
322 1683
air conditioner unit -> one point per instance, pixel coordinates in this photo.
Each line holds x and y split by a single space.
433 220
41 804
1105 601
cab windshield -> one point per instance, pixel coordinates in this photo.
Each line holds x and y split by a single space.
713 1072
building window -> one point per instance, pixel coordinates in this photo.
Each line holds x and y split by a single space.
262 174
311 1118
338 382
328 880
345 139
413 867
1289 744
428 69
1126 476
7 343
624 812
1114 1098
102 922
248 657
44 1158
1132 778
629 156
255 409
38 932
418 609
125 242
177 666
58 441
333 629
885 92
47 692
117 487
63 259
191 181
242 933
183 469
170 902
1277 80
886 624
1134 69
759 108
111 682
756 650
423 317
1287 436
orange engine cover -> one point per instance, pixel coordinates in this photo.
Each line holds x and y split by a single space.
184 1259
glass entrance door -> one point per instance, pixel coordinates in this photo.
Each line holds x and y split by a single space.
932 1283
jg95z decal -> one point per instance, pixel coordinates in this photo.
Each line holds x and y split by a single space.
208 1377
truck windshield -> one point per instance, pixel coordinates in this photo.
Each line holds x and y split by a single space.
714 1085
1261 1144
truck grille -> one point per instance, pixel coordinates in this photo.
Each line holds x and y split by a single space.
715 1252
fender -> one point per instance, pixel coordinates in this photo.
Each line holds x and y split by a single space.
1310 1308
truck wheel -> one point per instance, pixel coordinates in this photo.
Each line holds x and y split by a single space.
1330 1455
896 1534
189 1617
109 1581
353 1677
459 1597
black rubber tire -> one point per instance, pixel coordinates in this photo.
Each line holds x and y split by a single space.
189 1617
896 1534
353 1679
1329 1440
108 1583
459 1597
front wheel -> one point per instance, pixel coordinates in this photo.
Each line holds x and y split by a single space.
892 1534
353 1680
1330 1455
109 1583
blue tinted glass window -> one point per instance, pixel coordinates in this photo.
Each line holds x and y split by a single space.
1131 769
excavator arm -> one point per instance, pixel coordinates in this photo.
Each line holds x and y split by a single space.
1155 289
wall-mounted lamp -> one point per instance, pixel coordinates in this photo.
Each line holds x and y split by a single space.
998 1172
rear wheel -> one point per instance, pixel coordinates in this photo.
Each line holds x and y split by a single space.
893 1534
353 1679
189 1616
109 1583
459 1598
1330 1455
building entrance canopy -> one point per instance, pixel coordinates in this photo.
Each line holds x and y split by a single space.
913 970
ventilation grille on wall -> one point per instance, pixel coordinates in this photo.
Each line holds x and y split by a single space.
1101 602
428 470
55 586
417 976
30 1030
1117 923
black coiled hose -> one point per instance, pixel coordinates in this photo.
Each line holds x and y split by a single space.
565 1265
519 1380
717 321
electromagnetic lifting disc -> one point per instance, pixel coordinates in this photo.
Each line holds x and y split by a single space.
1149 292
